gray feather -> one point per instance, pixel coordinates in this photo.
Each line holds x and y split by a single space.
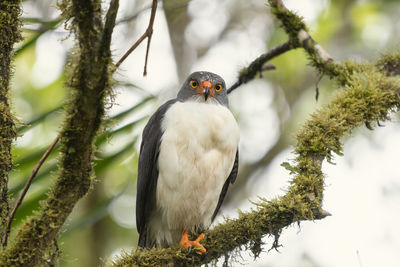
186 92
148 171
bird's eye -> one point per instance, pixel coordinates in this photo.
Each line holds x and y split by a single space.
194 84
218 88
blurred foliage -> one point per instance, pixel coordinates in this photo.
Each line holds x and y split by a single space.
94 230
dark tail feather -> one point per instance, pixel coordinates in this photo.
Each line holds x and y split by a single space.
145 241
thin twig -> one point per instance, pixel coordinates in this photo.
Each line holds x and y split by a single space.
133 47
26 188
147 34
150 33
257 65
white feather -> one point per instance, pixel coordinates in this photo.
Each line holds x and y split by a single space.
197 154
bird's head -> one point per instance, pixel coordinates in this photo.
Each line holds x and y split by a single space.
203 86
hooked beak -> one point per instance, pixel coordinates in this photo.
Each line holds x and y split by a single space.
206 86
206 92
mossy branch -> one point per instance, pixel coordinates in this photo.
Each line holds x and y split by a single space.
370 96
9 34
390 64
298 35
90 83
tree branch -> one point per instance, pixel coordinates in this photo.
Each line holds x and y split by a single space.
377 95
26 188
390 64
298 37
246 171
10 34
147 34
318 138
247 74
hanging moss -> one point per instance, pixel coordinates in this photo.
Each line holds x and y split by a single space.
9 35
90 83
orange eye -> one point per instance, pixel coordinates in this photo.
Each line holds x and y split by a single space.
218 88
194 84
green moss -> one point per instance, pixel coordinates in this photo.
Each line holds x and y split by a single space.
10 34
369 96
90 83
291 22
390 63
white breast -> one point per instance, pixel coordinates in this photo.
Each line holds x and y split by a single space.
197 154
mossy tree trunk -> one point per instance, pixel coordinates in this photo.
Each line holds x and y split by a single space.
9 35
90 83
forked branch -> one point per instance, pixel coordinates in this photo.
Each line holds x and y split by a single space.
147 34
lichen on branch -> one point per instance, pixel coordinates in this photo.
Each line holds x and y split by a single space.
90 83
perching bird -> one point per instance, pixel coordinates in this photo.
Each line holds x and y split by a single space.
188 158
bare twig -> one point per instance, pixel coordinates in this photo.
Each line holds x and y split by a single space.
26 188
147 34
150 33
258 65
130 50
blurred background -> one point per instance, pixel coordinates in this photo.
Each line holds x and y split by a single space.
362 188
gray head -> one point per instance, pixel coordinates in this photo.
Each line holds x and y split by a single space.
204 86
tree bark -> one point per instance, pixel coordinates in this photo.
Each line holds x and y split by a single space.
10 34
90 84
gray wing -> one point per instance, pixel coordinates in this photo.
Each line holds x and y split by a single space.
231 179
148 171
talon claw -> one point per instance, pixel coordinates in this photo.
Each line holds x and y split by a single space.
188 245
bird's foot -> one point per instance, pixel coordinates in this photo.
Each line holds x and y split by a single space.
188 245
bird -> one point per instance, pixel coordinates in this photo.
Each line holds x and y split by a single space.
188 158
